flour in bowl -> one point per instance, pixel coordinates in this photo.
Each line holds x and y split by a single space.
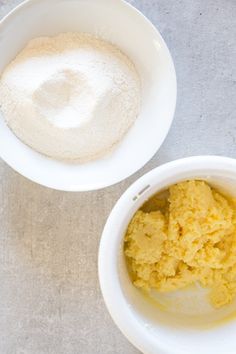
70 97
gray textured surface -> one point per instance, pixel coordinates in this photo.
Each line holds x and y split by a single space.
50 300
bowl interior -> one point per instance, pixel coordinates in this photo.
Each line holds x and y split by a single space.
183 320
119 23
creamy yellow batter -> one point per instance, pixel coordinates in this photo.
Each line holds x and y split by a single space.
184 236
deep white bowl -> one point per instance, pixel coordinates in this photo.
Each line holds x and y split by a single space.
121 24
149 328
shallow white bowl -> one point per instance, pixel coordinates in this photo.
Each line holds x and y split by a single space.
149 328
123 25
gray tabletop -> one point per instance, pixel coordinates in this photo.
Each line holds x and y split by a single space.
50 301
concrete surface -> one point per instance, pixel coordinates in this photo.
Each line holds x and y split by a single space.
50 300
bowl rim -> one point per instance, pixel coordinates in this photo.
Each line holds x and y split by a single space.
110 245
45 178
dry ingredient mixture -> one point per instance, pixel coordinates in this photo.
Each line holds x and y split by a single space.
70 97
187 236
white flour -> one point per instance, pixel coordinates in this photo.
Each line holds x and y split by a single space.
70 97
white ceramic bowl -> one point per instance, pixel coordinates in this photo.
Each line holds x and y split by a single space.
123 25
149 328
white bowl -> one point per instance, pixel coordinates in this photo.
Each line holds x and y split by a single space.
149 328
123 25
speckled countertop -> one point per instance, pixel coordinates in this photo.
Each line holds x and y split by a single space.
50 301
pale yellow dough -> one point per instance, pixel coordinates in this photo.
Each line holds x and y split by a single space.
186 238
